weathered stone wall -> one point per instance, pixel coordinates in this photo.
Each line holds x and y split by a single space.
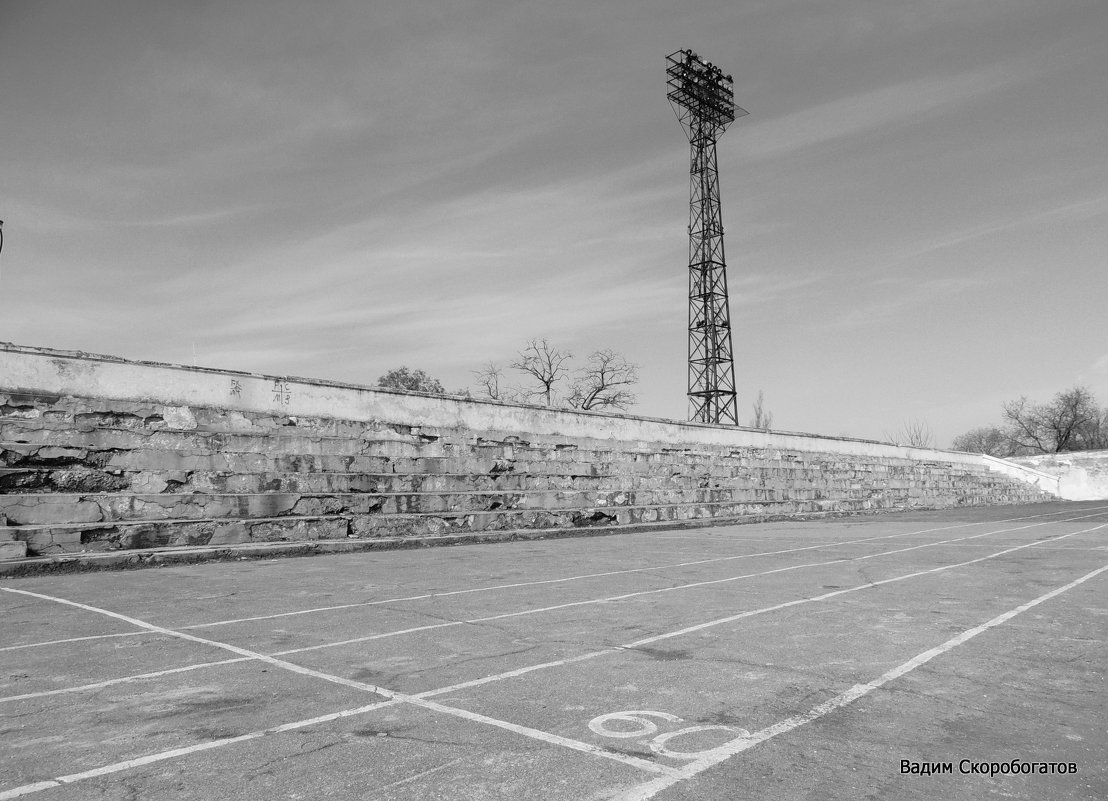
99 453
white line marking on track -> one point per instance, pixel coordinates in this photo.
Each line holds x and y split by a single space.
720 621
541 582
724 752
1091 513
99 685
419 775
358 685
116 767
729 619
520 613
536 734
73 639
420 699
834 593
657 591
426 596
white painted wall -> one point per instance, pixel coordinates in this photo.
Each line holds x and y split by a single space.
1043 480
44 371
1082 475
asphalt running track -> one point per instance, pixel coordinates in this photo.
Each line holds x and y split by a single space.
795 660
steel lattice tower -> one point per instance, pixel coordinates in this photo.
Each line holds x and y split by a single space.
703 99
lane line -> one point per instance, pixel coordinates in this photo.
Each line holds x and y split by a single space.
419 775
506 615
99 685
516 585
420 699
716 756
426 596
1088 513
73 639
357 685
541 582
116 767
656 591
536 734
868 585
730 619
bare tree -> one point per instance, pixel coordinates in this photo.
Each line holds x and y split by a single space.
1095 434
914 434
763 417
490 380
1067 423
604 382
987 439
546 365
410 380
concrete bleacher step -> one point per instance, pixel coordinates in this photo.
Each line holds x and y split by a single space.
87 424
40 479
314 474
10 547
358 441
98 535
385 459
203 442
260 460
32 481
29 509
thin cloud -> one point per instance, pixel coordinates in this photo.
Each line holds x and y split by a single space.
760 289
872 111
898 296
1078 211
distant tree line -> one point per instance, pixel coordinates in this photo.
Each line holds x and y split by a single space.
913 433
1072 421
546 376
543 373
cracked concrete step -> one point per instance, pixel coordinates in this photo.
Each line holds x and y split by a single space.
39 482
31 509
203 442
112 427
24 454
42 481
167 555
89 414
630 464
33 455
80 479
367 441
45 480
75 537
78 537
10 547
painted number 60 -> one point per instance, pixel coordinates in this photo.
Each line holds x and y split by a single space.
642 727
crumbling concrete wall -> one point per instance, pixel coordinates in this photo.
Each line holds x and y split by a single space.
98 453
1082 475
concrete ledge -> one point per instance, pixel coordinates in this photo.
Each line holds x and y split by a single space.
55 374
163 557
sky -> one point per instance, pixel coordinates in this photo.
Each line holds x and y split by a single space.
916 207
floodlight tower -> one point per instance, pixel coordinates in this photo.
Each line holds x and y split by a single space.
703 99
